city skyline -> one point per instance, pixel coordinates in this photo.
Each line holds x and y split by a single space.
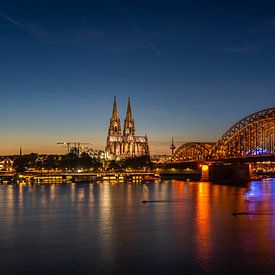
184 66
166 145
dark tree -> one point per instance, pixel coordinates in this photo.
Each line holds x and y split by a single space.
22 163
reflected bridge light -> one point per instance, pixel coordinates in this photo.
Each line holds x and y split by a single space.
204 172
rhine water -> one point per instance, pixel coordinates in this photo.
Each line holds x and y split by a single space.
104 228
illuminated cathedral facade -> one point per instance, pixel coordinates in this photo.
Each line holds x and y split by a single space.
125 144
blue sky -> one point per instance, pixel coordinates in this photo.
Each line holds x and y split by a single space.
191 69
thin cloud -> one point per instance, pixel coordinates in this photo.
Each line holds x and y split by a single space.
257 38
155 49
12 21
245 49
86 33
32 29
139 30
35 30
41 34
125 7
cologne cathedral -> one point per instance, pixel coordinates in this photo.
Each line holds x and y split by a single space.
126 144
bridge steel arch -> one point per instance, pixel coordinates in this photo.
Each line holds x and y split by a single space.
252 135
193 151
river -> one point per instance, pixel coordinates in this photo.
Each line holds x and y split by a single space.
104 228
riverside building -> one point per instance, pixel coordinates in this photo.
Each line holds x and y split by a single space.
125 144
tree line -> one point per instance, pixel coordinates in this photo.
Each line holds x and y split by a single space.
82 162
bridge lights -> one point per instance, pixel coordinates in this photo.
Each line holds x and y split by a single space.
205 172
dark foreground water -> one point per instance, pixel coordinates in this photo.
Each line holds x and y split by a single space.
105 228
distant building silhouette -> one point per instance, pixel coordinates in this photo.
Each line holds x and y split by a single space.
6 164
126 144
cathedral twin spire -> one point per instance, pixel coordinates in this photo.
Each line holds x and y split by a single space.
126 143
129 124
115 112
115 129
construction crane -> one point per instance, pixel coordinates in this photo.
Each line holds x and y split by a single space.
73 147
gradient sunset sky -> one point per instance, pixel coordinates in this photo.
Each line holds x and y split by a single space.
191 68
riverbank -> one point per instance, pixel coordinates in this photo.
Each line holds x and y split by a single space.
47 178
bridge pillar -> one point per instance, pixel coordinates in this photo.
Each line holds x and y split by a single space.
205 172
225 172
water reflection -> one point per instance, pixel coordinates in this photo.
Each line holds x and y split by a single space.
104 228
254 193
203 224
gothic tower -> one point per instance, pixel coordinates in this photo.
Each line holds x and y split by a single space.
114 128
129 123
128 144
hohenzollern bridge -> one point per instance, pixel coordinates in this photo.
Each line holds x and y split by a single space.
251 137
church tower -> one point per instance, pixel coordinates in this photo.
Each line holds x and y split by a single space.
114 128
129 123
128 144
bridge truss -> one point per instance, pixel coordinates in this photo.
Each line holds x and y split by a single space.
193 151
252 135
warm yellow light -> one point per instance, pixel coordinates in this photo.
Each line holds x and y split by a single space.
205 168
